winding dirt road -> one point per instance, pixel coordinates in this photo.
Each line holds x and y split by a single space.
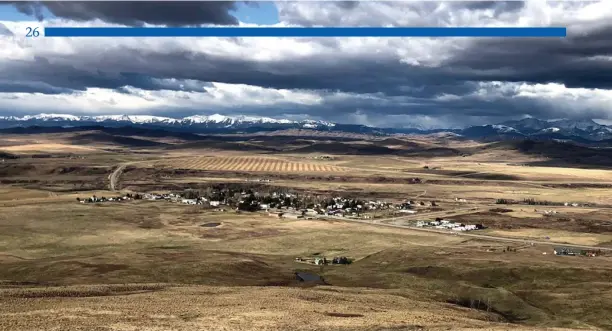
114 176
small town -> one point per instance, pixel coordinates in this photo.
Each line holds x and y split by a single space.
275 203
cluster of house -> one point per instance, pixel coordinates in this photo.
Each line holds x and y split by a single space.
449 225
95 199
324 261
569 251
175 197
281 204
343 207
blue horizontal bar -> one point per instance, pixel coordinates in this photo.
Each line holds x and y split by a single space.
306 32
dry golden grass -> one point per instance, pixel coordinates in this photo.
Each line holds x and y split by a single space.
48 148
14 193
238 308
180 275
107 244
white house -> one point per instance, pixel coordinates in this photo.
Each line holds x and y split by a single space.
215 203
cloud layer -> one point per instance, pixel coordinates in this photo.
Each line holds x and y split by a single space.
376 81
136 13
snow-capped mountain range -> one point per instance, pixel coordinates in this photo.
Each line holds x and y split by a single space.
535 128
202 121
573 130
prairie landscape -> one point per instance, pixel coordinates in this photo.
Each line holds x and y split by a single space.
163 265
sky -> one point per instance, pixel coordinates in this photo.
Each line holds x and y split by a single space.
384 82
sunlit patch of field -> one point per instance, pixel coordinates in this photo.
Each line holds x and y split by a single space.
252 164
47 147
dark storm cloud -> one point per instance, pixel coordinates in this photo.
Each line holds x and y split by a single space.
498 6
373 81
137 13
42 76
576 61
12 86
4 31
401 88
347 4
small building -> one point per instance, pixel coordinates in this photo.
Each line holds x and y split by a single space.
565 251
320 261
341 260
215 203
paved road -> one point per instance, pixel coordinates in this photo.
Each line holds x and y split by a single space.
464 234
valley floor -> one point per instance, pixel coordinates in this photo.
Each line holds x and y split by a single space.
156 265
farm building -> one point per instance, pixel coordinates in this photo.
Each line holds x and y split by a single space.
573 251
566 251
320 261
341 260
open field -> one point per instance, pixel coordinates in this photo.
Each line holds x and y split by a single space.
150 265
144 243
251 164
53 148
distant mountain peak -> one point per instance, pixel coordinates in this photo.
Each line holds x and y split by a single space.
207 121
566 129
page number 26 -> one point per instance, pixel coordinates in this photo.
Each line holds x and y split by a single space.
32 32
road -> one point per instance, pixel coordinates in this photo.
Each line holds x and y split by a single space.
114 177
462 234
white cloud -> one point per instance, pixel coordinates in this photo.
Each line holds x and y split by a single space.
216 96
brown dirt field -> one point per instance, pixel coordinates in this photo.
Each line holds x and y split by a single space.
61 261
251 164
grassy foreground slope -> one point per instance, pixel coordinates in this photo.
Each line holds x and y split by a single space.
61 270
